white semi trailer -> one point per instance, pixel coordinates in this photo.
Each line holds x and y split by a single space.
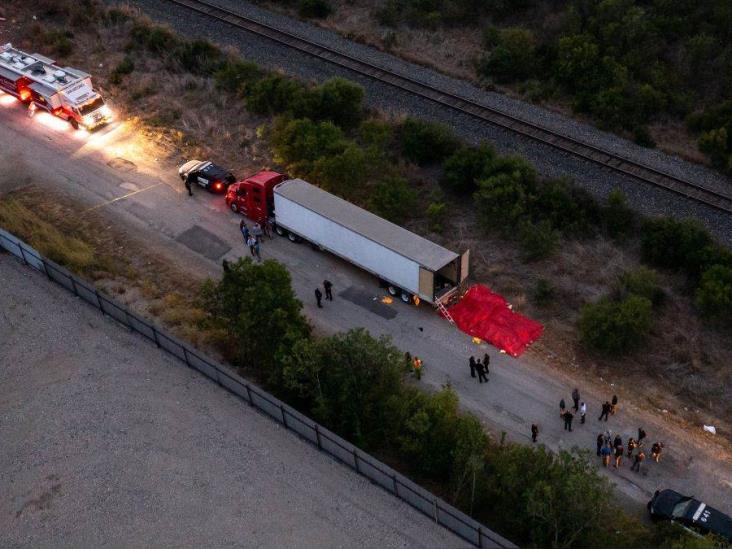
410 266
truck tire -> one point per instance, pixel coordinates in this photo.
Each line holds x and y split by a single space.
406 297
393 290
293 237
234 208
280 231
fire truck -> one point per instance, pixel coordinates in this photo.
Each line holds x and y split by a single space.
64 92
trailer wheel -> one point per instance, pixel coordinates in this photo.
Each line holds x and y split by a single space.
74 123
279 230
234 207
393 291
406 297
293 237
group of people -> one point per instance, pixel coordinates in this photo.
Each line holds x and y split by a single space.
612 448
328 287
480 368
253 237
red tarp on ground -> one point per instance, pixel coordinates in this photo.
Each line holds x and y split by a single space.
481 313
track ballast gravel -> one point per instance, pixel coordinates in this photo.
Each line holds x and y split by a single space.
550 162
108 441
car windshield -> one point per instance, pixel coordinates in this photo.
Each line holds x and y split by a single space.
91 106
681 508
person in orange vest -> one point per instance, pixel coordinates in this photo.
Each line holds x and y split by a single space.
417 365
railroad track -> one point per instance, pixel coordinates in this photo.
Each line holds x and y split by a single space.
657 178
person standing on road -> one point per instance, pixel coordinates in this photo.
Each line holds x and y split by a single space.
575 398
605 411
641 435
189 184
562 407
417 365
534 432
606 453
251 241
471 362
639 457
619 455
267 227
583 412
568 417
244 231
632 445
328 287
656 450
318 297
600 442
257 231
482 371
613 405
617 441
486 361
256 249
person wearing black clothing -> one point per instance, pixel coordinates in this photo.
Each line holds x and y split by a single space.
318 297
534 432
482 371
189 184
600 442
641 434
613 404
472 366
568 417
562 407
486 361
618 441
328 285
605 411
575 398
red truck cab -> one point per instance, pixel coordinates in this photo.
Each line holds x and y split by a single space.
253 196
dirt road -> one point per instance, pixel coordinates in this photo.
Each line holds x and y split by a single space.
117 173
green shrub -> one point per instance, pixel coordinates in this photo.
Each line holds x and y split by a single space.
376 133
615 327
714 294
60 42
125 67
642 282
154 38
116 16
436 213
344 173
393 199
538 240
426 142
503 198
199 57
277 94
619 219
317 9
513 57
300 140
462 170
677 245
338 100
234 75
543 292
567 207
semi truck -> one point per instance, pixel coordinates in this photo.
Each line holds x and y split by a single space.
409 266
40 84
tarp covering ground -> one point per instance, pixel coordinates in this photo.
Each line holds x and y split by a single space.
484 314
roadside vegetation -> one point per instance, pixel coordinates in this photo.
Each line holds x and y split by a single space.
651 71
357 385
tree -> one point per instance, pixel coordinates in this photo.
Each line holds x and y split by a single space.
714 294
538 240
642 282
302 140
615 327
672 244
255 306
344 173
340 101
513 58
619 219
504 195
466 165
393 199
426 142
347 381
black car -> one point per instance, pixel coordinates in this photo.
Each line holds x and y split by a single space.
208 175
689 512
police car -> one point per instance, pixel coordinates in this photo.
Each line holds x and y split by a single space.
690 513
206 174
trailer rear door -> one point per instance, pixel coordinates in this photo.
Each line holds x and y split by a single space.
426 284
464 265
